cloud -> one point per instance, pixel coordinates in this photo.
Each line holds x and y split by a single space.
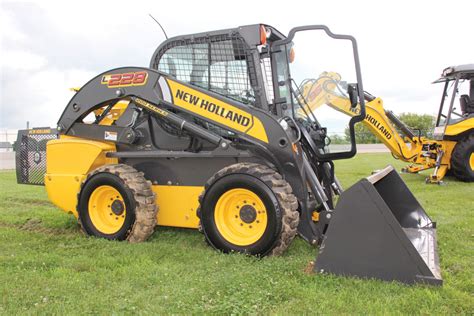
53 45
21 60
9 27
40 97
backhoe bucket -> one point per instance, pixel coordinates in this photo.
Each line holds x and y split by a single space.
379 230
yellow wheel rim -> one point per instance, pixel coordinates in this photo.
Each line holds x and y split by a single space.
471 161
240 217
107 209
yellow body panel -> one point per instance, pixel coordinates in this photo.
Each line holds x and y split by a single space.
114 113
217 110
459 127
69 160
62 190
177 205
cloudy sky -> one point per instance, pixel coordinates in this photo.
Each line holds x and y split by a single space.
49 46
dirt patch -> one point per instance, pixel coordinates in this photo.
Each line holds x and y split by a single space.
35 225
23 201
309 268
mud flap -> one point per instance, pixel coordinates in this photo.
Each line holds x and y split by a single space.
379 230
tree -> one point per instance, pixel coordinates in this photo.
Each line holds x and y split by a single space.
422 122
338 139
362 134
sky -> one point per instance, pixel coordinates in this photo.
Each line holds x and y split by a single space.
48 47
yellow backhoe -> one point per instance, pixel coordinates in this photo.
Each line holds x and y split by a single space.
451 150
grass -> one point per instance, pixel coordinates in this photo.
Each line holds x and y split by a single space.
48 266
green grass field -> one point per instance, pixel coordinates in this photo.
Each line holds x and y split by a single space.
48 266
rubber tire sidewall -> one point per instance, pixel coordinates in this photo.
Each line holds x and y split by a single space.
114 181
274 214
467 157
462 153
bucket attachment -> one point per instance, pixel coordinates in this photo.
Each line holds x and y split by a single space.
379 230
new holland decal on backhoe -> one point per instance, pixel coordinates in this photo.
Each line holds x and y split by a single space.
451 150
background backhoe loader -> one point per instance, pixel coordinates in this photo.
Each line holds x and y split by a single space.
213 137
451 150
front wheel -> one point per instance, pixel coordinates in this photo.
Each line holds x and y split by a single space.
249 208
116 202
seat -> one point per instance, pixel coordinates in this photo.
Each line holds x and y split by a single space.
467 105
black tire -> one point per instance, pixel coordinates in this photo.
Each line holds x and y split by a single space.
461 164
275 193
138 199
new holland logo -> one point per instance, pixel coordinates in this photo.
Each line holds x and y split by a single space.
214 108
217 110
125 80
378 126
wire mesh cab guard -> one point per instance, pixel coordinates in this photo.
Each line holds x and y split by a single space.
31 154
221 63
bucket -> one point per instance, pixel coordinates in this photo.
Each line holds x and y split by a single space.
379 230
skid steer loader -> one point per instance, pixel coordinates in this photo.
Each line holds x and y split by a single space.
213 137
451 150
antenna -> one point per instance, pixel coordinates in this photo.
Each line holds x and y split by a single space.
159 25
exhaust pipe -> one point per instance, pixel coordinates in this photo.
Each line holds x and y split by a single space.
379 230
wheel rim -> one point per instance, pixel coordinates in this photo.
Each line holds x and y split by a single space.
471 161
240 217
107 209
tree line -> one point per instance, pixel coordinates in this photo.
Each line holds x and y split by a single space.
424 123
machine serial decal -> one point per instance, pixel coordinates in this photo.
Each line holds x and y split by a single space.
150 106
378 126
216 110
125 80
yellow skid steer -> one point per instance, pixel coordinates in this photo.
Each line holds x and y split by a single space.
212 136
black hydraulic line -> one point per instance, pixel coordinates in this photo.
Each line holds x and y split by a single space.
179 121
368 97
315 185
402 126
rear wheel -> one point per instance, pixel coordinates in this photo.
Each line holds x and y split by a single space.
462 160
249 208
116 202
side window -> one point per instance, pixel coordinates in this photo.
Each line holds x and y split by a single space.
219 66
186 63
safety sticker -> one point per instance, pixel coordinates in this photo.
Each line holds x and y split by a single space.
110 136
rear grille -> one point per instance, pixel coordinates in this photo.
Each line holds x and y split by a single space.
31 154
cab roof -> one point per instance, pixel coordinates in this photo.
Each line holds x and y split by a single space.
465 71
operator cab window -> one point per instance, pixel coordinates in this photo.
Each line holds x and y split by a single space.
461 107
218 66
